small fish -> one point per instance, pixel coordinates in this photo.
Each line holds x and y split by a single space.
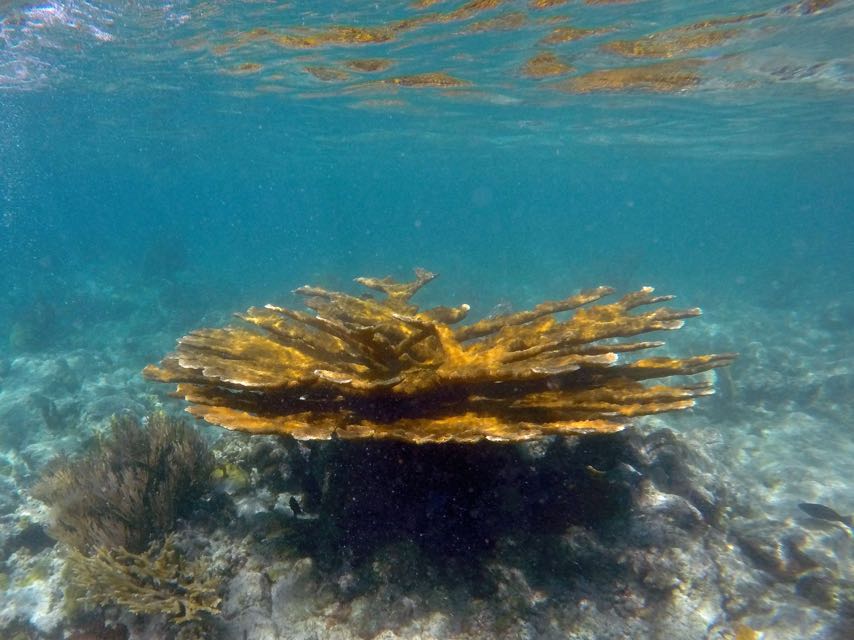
230 478
825 513
594 472
622 473
294 505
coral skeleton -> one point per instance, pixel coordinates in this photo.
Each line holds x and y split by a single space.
362 367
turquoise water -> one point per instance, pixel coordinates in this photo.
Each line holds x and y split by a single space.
163 165
122 128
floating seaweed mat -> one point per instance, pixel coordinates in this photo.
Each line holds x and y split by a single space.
361 367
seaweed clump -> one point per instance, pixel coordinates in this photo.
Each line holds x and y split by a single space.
361 367
130 487
115 508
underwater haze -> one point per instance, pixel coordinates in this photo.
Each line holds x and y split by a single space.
166 164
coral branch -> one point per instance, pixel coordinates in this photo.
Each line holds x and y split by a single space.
158 581
359 367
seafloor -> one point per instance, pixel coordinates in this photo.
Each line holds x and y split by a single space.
684 526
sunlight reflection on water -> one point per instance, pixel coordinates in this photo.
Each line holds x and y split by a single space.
455 62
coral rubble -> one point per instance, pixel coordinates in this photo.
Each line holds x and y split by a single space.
361 367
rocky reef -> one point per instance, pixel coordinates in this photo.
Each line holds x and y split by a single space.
114 508
683 524
610 535
366 368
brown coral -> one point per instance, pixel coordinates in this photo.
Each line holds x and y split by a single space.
129 487
159 581
365 368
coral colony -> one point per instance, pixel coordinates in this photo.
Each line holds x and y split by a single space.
360 367
115 506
